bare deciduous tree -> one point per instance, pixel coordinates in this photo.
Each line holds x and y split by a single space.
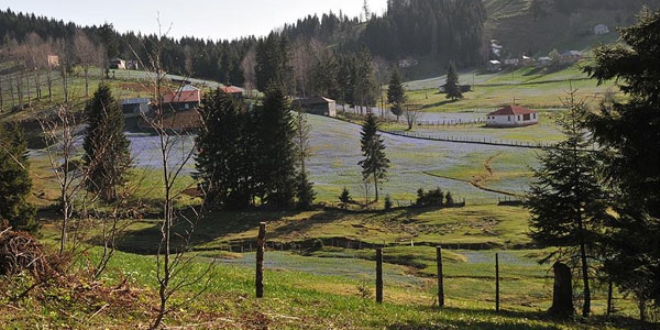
171 265
87 55
249 74
411 113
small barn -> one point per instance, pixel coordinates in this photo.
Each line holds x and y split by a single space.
601 29
135 107
512 116
117 63
317 105
235 92
571 57
185 98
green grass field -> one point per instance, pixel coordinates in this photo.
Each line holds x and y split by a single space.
320 264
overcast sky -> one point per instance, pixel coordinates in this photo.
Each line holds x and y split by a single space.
215 19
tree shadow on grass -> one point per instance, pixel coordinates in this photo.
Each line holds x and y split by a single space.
207 229
437 104
507 319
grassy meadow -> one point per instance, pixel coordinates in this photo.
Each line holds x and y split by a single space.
320 265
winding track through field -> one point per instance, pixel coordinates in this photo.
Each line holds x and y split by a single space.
479 181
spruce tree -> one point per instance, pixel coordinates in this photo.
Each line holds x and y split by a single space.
629 134
375 162
276 165
305 189
567 201
396 94
224 160
452 87
107 155
15 181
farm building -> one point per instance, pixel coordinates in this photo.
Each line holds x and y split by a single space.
117 63
53 61
494 65
571 56
601 29
317 105
135 107
235 92
543 62
185 98
512 116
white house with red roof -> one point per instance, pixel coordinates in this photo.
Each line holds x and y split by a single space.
512 116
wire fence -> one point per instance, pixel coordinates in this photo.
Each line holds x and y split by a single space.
472 140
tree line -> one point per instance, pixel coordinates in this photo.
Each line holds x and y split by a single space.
443 30
419 28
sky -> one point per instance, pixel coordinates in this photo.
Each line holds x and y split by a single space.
206 19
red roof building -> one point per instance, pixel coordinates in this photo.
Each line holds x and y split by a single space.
512 116
183 99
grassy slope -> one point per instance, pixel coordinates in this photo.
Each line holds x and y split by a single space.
514 27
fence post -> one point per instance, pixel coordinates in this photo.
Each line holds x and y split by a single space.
609 298
260 260
497 282
379 275
441 286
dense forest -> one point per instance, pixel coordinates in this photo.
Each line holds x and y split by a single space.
436 31
229 61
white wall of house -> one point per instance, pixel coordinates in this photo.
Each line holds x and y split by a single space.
512 120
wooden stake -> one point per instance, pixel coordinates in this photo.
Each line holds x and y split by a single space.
497 282
260 260
441 286
379 275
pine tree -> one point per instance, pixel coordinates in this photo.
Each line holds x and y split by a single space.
224 159
629 133
15 181
452 87
305 189
277 161
107 150
375 162
567 201
396 94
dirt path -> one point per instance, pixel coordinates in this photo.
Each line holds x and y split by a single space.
479 182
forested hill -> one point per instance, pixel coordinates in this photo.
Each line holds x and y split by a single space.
538 26
431 32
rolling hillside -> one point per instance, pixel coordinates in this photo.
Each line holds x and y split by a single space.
514 26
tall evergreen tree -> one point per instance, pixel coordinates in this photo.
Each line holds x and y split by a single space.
15 181
224 160
630 135
273 64
396 94
375 162
364 87
276 164
305 189
452 87
107 150
566 201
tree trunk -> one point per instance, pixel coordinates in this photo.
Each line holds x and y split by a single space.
376 186
562 292
586 307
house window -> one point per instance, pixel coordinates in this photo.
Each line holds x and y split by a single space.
534 116
526 117
508 118
518 117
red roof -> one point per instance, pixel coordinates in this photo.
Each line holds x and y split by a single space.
182 97
510 110
230 90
